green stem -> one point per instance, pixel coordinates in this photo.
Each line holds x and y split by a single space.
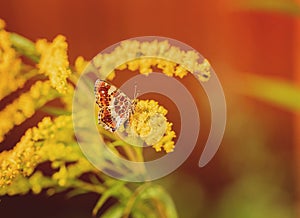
24 46
87 186
133 199
139 154
114 191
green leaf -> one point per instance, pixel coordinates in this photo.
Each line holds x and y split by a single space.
113 191
100 202
274 91
163 203
283 6
114 211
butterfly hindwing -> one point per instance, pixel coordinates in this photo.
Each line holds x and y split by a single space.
114 105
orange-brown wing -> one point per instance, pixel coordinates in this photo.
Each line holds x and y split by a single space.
114 105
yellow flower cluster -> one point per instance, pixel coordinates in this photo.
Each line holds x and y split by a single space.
25 106
2 24
80 64
34 147
149 122
58 145
66 174
166 141
65 178
142 56
54 62
145 66
10 65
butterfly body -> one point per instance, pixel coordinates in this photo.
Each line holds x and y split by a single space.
115 106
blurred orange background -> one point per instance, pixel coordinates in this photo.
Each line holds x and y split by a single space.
237 40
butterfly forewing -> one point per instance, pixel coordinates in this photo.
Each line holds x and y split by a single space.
114 105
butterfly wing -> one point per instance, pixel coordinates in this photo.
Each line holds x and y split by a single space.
114 105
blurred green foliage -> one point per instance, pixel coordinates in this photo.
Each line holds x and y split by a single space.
281 6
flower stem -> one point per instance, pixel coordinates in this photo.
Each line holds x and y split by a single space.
24 46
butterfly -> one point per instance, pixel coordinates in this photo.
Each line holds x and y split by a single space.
115 107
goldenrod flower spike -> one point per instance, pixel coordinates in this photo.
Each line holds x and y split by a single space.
10 65
39 144
54 62
25 106
149 123
2 24
143 56
80 64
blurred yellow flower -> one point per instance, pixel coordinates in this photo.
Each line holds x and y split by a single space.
54 62
2 24
10 65
203 70
80 64
111 75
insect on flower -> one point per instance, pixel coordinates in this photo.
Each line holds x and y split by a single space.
115 106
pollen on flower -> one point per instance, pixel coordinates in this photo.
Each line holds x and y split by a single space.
145 66
149 122
10 65
80 64
2 24
25 106
54 62
147 56
122 66
166 142
167 67
149 48
112 75
35 147
203 70
21 160
180 71
133 65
